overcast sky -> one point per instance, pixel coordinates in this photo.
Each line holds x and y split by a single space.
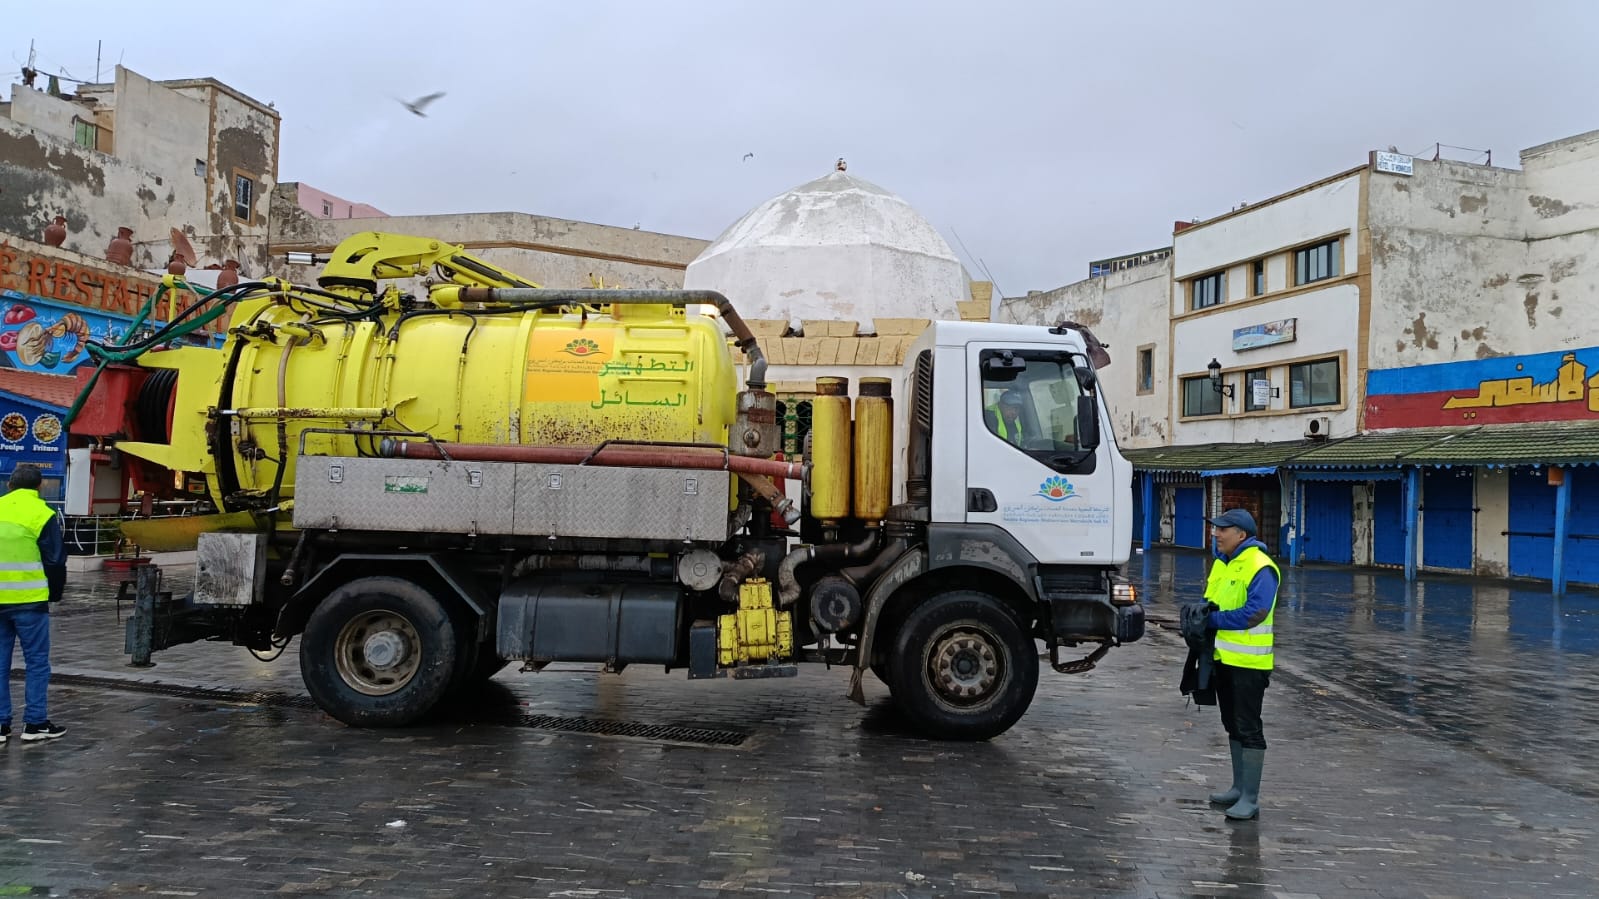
1043 134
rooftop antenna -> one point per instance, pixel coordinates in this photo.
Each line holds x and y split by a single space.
97 60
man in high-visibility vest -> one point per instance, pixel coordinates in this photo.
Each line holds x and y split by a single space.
33 572
1243 585
1005 417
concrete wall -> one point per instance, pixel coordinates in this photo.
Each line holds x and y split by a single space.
1470 262
1127 311
51 115
1316 211
243 141
323 205
553 252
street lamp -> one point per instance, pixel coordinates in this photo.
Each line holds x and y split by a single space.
1215 379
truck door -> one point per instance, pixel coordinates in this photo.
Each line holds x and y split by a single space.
1033 456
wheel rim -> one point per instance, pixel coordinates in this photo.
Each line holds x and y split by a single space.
378 653
966 667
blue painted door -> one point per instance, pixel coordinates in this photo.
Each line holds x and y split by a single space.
1388 524
1138 507
1532 526
1446 518
1189 529
1329 522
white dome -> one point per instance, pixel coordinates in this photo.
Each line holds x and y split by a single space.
838 248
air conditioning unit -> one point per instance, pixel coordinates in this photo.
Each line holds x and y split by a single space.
1318 428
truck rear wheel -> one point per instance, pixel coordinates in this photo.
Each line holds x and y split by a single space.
378 652
964 668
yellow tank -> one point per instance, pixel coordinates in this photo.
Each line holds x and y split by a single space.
874 449
646 373
830 445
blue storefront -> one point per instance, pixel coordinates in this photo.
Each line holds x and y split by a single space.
32 431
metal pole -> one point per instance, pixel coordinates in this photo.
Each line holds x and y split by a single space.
1562 525
1412 500
1149 510
141 627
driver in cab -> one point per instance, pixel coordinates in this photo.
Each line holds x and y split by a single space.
1005 417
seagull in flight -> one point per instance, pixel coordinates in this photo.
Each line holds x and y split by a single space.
421 103
748 157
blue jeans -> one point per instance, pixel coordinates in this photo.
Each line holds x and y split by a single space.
29 623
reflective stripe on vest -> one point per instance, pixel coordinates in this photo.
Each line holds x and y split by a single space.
1228 588
23 516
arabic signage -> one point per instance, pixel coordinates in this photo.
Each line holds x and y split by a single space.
31 431
1267 334
1560 386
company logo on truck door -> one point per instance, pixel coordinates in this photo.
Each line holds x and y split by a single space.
1056 489
582 347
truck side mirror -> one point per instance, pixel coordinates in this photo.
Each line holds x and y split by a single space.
1087 422
1085 378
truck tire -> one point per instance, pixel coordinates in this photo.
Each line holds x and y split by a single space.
964 668
378 652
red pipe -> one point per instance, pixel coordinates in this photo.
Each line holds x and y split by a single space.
620 455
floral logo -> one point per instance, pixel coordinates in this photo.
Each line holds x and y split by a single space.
582 347
1056 489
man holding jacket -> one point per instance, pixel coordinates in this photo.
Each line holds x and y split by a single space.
1243 585
33 572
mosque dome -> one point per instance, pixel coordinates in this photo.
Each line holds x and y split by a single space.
838 248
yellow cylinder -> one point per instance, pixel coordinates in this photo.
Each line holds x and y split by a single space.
830 461
874 448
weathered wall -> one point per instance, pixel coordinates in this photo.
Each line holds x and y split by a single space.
553 252
1492 551
52 115
1126 310
1471 262
45 176
243 140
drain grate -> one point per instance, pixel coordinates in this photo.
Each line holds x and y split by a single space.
704 736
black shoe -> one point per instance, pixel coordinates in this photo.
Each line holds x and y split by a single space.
45 731
5 733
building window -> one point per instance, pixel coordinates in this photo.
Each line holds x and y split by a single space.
1199 398
1313 383
1146 369
243 197
199 168
327 209
1250 377
86 134
1207 290
1317 263
1259 282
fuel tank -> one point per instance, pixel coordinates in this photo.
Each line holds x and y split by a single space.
640 372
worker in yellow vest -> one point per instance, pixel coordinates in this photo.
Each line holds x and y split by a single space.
33 572
1005 416
1243 586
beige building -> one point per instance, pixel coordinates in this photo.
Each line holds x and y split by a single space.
196 155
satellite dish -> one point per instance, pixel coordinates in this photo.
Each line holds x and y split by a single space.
183 249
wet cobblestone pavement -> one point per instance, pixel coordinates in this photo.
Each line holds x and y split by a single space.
1437 740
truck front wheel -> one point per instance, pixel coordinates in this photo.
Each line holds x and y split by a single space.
378 652
964 668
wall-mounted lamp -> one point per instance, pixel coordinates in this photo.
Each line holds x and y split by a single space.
1215 379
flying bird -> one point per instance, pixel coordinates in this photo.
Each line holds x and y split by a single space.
421 103
748 157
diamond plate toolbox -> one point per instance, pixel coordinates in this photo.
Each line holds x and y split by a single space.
637 503
403 495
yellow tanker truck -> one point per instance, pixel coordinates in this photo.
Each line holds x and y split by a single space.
425 486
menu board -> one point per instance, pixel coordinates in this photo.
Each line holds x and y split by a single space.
32 432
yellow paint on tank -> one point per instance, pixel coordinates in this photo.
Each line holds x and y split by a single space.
874 449
523 377
830 445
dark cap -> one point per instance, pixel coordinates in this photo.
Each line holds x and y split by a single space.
1235 518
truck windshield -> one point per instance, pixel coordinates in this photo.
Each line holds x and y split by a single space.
1032 404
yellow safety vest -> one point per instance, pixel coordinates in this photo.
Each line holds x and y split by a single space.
1228 588
999 426
23 516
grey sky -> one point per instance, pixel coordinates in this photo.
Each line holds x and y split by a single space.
1046 134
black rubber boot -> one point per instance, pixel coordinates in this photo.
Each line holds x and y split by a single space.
1234 792
1248 805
